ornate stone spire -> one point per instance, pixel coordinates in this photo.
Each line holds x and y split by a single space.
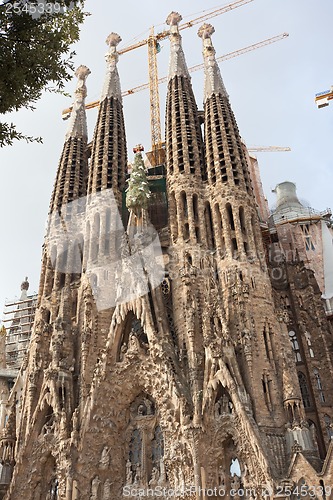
108 166
70 182
213 79
77 126
112 83
225 156
182 125
177 64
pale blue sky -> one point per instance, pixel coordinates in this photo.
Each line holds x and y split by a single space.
271 90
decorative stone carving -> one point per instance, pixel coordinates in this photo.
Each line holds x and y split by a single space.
104 462
95 488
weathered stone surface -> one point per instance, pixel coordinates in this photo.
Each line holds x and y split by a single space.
170 388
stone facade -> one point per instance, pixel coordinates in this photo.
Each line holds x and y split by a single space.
192 381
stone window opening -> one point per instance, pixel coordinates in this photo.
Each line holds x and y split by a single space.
186 231
304 390
267 342
307 237
62 262
184 203
197 234
195 207
235 467
266 385
234 248
230 470
62 394
231 217
209 226
242 220
308 341
295 346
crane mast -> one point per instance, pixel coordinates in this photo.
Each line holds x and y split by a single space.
66 112
152 43
268 149
155 114
157 154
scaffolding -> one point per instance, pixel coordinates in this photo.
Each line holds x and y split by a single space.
19 316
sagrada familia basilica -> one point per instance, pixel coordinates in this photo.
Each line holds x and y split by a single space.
182 339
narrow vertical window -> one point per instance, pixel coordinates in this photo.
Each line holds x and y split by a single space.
231 216
209 227
195 207
295 346
304 390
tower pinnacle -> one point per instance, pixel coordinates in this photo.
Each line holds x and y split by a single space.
213 79
112 84
177 64
77 126
108 165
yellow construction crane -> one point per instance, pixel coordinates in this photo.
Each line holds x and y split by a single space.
155 117
322 99
152 43
94 104
267 149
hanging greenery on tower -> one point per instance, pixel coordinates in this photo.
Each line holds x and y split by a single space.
138 192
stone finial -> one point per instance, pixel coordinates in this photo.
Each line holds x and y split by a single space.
77 126
206 31
213 79
111 86
177 63
173 18
82 72
113 40
25 284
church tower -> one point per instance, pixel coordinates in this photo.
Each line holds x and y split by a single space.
159 367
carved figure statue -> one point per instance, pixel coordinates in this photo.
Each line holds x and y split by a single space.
107 490
137 478
95 484
217 408
104 462
129 473
154 477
